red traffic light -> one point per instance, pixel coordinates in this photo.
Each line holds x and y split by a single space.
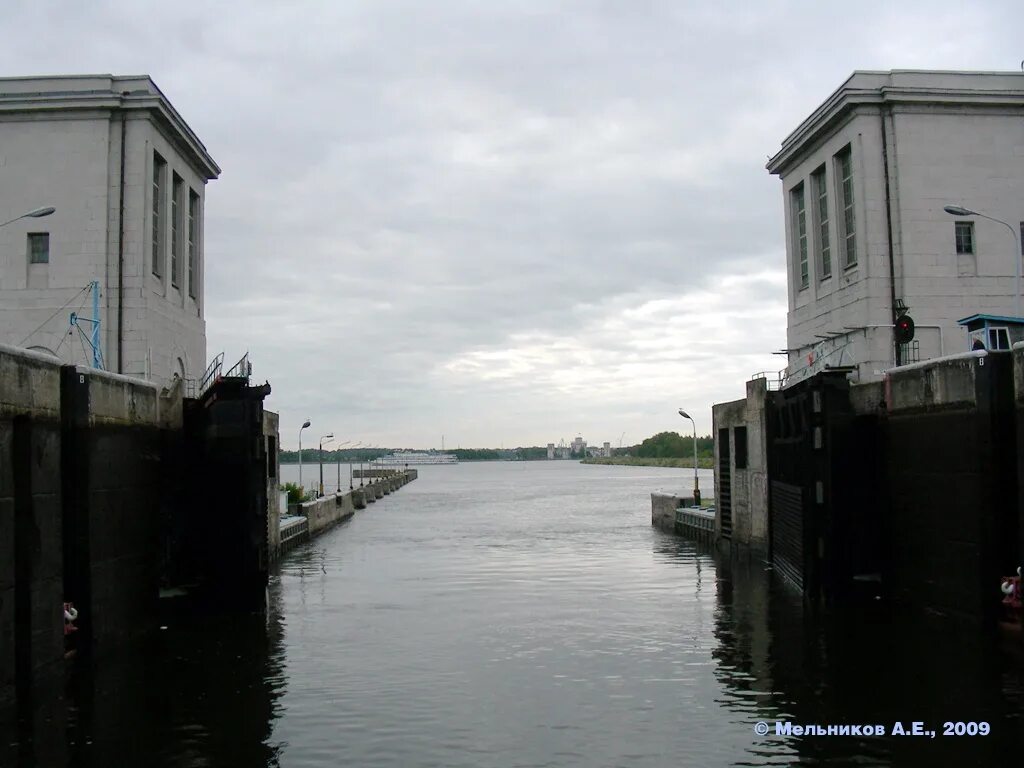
904 329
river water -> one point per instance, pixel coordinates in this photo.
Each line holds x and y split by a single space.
527 614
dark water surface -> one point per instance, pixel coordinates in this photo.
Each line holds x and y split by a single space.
526 614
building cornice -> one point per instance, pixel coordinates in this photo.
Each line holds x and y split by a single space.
873 89
25 96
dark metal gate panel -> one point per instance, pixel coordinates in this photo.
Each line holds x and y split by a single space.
724 489
788 531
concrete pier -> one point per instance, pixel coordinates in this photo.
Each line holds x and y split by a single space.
309 519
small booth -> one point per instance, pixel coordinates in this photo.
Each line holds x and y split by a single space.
996 333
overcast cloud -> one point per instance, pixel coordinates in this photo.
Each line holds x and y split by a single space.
505 222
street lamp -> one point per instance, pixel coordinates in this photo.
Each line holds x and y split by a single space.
696 482
339 446
362 472
38 213
328 437
350 486
958 210
304 426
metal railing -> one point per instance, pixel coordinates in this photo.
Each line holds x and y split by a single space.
240 370
773 379
211 375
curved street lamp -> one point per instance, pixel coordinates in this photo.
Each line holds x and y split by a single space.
324 438
38 213
304 426
696 482
959 210
339 446
350 486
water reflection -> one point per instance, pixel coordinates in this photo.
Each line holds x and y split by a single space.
779 659
502 615
201 693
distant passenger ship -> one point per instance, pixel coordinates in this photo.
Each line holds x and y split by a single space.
402 458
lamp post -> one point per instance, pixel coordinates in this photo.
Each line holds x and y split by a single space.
958 210
338 447
362 472
328 437
38 213
696 482
304 426
350 486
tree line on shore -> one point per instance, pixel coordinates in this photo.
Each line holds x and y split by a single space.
664 445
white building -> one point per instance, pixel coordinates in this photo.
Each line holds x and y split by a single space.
865 179
135 226
551 450
606 450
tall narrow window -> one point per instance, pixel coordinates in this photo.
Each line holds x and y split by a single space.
848 222
38 247
193 244
159 172
739 437
822 242
963 234
176 235
800 234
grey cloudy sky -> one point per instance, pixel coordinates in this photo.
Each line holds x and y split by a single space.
505 222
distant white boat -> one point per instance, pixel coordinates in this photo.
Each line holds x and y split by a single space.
401 458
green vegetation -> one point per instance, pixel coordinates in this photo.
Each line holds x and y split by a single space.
666 445
703 462
345 455
296 494
662 446
476 454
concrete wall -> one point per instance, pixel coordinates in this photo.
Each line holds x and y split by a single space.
749 485
327 511
31 539
1018 408
82 493
947 140
663 510
272 441
951 452
68 143
113 484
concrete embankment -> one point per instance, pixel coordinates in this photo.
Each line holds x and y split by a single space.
309 519
676 514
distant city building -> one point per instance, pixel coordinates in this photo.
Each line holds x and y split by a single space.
579 447
865 179
551 450
606 450
136 227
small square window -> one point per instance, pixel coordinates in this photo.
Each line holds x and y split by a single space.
39 248
964 236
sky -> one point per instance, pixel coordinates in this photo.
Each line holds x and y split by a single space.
501 223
